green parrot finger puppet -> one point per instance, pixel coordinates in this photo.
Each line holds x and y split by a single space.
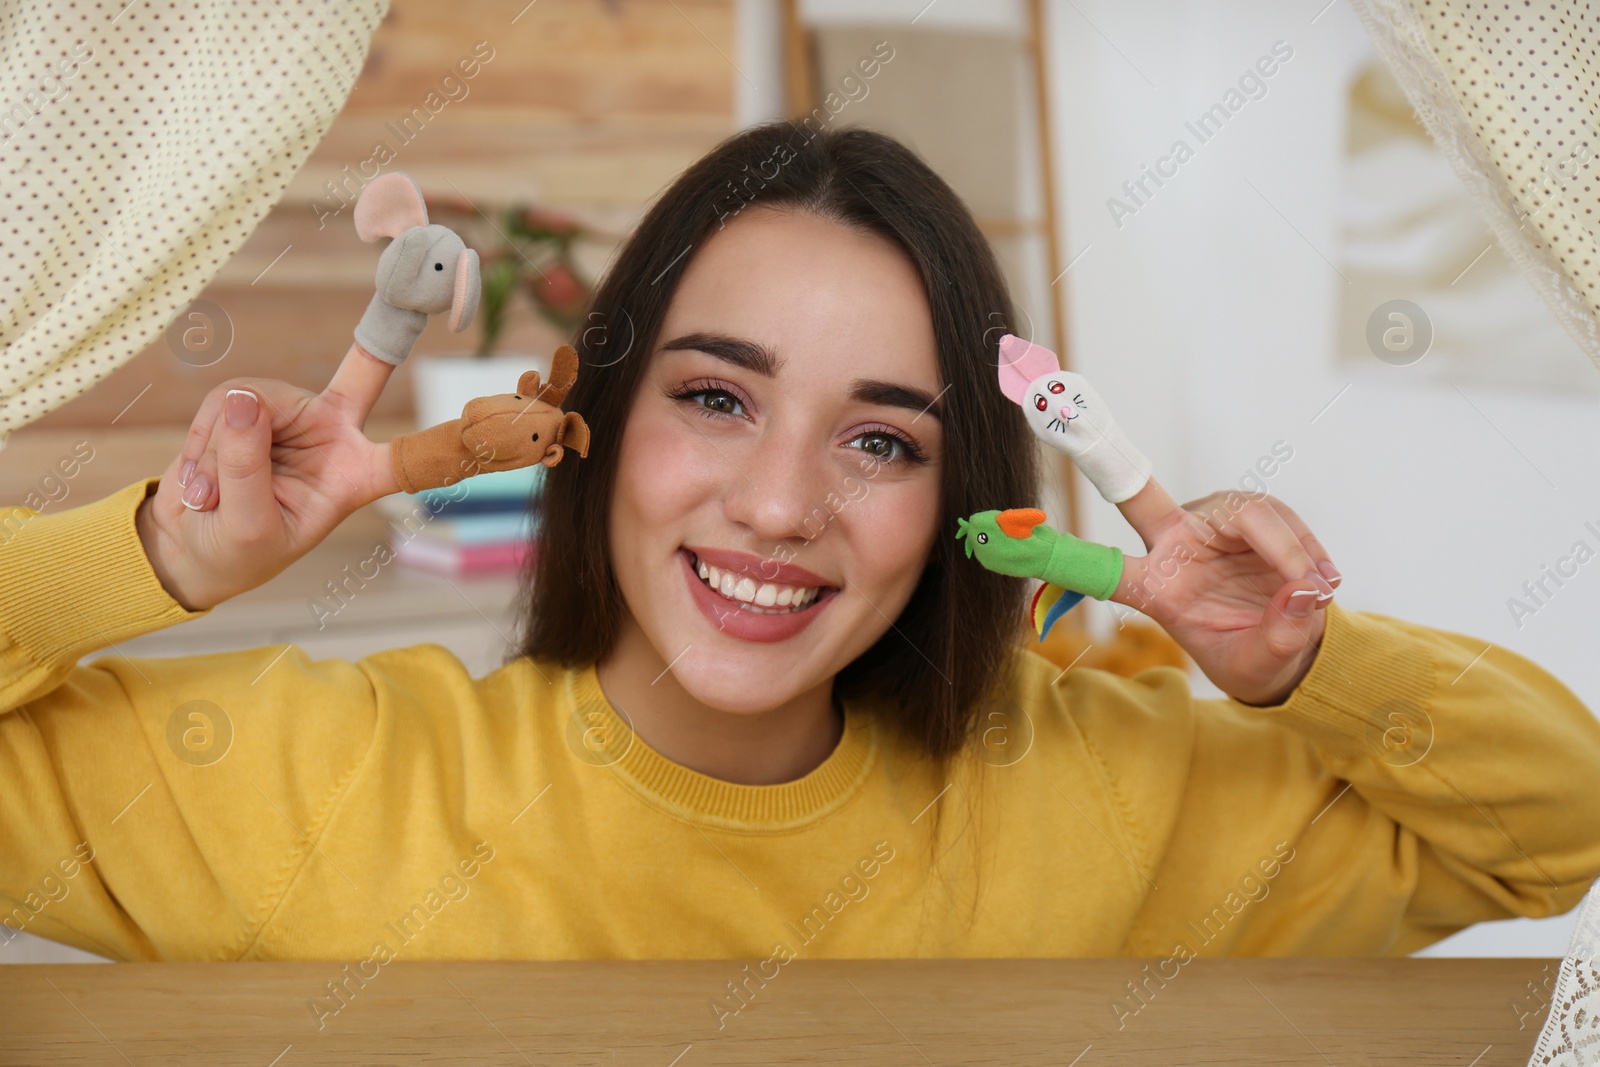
1016 542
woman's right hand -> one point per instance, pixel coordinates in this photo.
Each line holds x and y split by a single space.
275 469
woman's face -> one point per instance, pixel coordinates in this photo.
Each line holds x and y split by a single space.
776 437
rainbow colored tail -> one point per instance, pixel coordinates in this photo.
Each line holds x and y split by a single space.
1050 602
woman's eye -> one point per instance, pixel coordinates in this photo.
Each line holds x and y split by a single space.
891 448
719 400
880 445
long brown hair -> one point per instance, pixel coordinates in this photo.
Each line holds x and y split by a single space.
932 670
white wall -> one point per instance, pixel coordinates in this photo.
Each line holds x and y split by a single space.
1207 318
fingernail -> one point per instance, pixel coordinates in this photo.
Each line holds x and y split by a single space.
1329 571
1324 587
1301 603
241 405
195 495
188 469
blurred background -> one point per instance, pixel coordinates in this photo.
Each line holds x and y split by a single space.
1209 209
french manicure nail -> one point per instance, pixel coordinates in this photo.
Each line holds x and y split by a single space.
1324 587
1300 603
1329 571
188 469
195 494
241 405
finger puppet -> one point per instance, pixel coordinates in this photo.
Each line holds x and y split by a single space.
497 433
1016 542
1066 413
425 270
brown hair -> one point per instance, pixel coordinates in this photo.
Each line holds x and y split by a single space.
930 673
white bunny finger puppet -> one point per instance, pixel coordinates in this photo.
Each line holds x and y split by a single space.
1066 413
426 270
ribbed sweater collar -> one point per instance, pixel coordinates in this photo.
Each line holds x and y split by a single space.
601 737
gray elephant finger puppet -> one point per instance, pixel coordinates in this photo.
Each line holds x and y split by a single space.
428 270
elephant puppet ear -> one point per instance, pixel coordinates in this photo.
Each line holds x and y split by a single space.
1019 522
464 302
1021 364
390 205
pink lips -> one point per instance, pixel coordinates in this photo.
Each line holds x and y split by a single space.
726 616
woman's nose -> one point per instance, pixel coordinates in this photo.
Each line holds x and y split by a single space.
781 487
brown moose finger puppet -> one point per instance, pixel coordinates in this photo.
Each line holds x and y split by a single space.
497 433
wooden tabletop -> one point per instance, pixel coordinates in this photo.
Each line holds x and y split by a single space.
1344 1012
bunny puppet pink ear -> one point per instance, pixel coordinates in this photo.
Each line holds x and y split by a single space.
464 301
390 205
1021 364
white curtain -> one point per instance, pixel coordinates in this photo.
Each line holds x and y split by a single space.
140 144
1508 89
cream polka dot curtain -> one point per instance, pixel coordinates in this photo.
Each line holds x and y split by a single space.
141 141
1507 88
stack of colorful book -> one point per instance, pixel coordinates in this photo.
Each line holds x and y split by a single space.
482 525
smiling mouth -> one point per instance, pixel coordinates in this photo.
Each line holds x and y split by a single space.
756 597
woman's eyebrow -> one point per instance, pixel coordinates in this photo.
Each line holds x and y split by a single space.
751 355
759 359
872 391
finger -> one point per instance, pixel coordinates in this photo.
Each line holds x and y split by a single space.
198 443
1144 580
1286 631
1309 540
1265 530
357 383
244 465
1149 510
167 500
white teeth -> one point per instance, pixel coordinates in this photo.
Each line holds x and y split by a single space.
757 594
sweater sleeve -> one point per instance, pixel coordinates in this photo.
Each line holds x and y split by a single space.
151 808
1415 782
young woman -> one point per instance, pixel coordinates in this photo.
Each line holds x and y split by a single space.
829 745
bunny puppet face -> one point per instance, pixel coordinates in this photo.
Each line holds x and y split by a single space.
1066 413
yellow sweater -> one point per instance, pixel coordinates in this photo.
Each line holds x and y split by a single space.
397 808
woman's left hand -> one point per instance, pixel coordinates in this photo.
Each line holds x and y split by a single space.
1235 581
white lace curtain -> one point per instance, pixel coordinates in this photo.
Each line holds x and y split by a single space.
1508 90
140 144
